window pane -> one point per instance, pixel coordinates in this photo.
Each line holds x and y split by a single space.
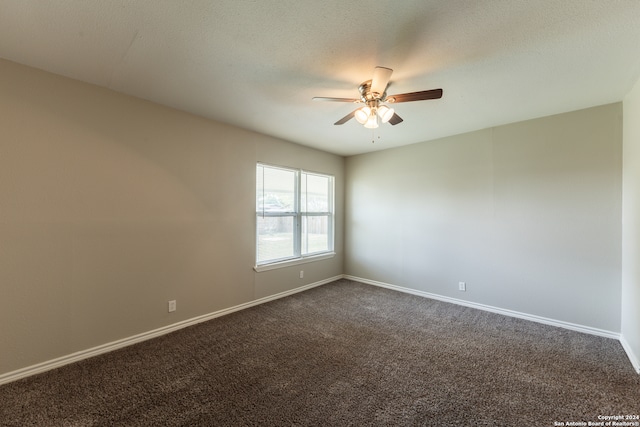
275 238
294 214
315 193
315 234
275 190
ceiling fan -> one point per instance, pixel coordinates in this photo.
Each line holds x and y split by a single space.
373 93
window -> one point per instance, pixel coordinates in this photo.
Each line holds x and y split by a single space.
294 214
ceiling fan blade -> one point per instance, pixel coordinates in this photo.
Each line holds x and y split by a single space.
346 118
395 119
380 80
415 96
322 98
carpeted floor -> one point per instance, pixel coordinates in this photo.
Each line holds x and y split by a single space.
343 354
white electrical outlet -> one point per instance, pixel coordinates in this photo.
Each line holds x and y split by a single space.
172 306
462 286
302 274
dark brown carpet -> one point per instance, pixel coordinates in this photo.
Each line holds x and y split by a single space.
343 354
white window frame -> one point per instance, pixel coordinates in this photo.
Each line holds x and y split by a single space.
298 214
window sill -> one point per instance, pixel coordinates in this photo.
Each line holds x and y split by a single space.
297 261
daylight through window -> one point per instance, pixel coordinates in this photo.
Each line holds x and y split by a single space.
294 214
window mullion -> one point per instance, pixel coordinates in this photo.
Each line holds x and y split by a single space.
330 216
298 225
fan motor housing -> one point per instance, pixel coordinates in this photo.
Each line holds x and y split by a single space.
367 96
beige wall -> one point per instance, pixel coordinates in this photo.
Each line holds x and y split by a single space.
110 206
527 214
631 226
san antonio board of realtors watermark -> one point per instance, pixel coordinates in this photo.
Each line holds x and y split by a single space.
603 421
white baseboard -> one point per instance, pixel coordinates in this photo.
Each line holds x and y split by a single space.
635 360
511 313
105 348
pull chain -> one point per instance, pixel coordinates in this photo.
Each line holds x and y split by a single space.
373 136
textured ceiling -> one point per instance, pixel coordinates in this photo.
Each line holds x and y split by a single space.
257 64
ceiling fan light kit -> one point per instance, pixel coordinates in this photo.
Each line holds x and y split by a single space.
362 114
373 93
372 117
372 121
385 113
